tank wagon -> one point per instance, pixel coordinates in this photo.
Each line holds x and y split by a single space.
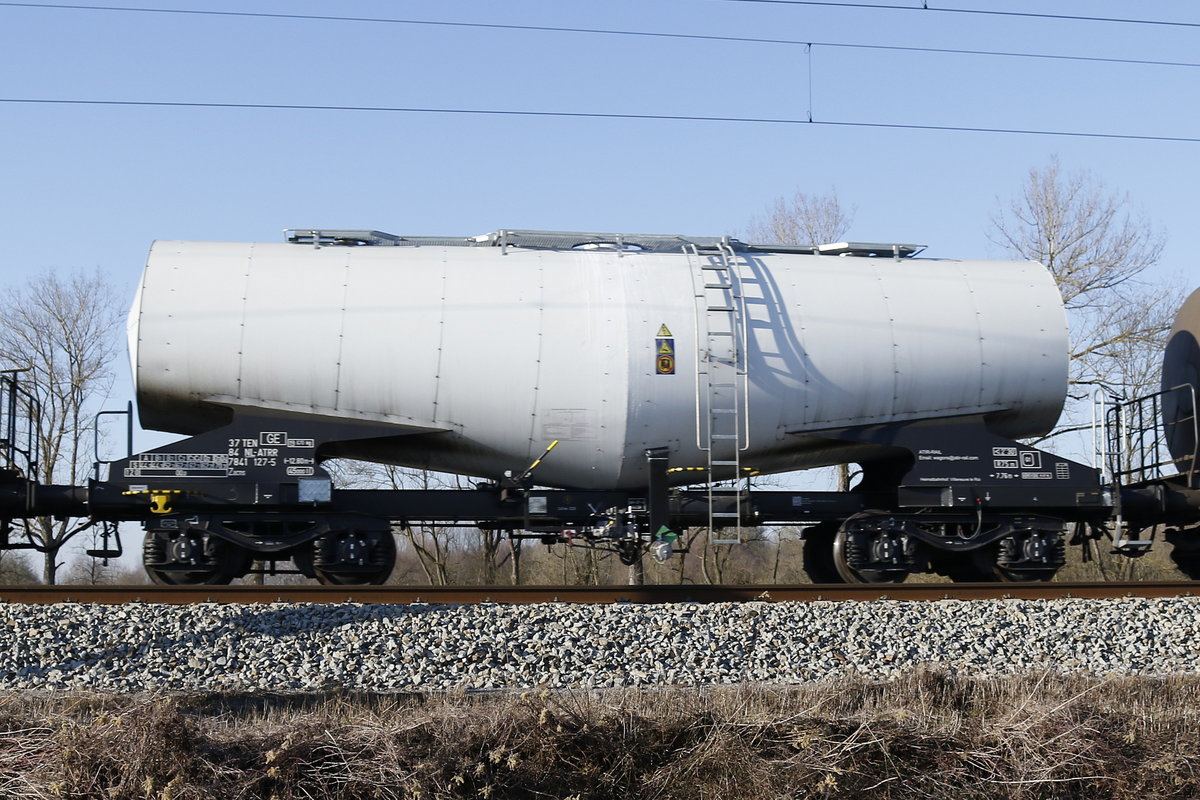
646 379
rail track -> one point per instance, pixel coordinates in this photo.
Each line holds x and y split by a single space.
116 595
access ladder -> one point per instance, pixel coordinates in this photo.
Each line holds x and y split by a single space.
722 419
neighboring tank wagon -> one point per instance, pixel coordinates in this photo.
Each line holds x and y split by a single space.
613 390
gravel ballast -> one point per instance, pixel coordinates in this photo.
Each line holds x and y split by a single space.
304 647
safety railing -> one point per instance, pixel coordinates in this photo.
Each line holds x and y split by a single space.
20 421
1147 438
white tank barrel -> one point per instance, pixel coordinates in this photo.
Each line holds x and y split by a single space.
472 359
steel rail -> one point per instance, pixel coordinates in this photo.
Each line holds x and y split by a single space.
116 595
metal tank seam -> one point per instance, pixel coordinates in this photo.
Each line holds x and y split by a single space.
441 348
883 293
620 283
983 365
613 284
337 372
1066 328
534 447
242 324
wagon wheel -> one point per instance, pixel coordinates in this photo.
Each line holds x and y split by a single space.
351 558
818 553
222 562
851 548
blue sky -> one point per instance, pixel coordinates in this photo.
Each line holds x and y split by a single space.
87 186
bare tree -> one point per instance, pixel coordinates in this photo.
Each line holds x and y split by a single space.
1097 248
432 544
690 541
514 559
803 219
589 566
492 555
87 571
736 564
62 330
15 568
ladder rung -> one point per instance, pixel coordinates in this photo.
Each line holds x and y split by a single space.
733 436
714 266
722 411
726 463
1138 543
720 308
718 286
720 333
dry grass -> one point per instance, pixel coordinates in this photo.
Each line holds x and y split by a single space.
928 735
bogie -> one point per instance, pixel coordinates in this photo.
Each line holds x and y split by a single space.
873 547
192 556
877 547
353 557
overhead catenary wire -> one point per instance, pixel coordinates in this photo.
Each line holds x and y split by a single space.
595 115
605 32
809 48
981 11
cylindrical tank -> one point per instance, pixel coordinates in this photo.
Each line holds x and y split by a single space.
473 359
1180 379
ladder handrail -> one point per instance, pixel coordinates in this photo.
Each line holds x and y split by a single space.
722 418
